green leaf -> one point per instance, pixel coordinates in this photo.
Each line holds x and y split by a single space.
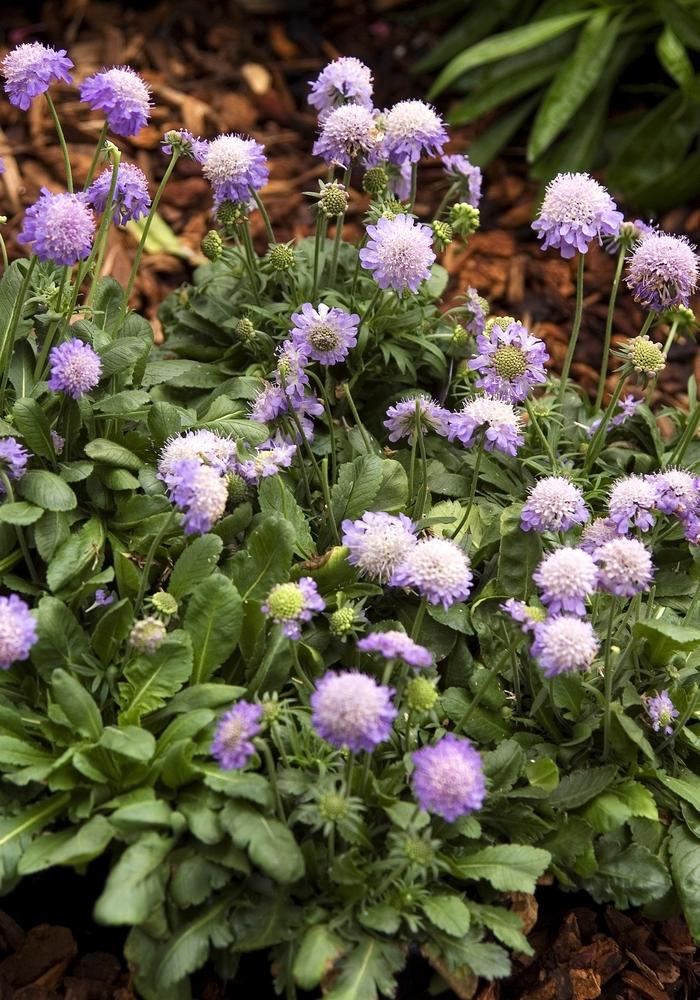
122 354
74 846
136 884
686 786
49 532
266 559
188 948
269 843
358 485
131 742
448 913
579 787
61 642
33 425
674 58
78 705
108 453
629 877
519 553
151 680
369 971
47 490
20 513
213 620
275 497
507 43
318 952
505 925
665 639
81 552
393 488
197 562
112 629
685 867
238 784
16 831
508 867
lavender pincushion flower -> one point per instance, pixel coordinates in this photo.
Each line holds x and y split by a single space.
378 543
30 69
625 567
401 418
352 710
291 604
131 199
564 643
60 227
628 406
186 144
631 504
234 166
553 504
13 459
438 569
662 712
399 253
498 420
448 778
204 445
233 739
346 133
324 334
475 310
510 361
75 368
394 645
662 271
17 630
527 615
270 403
291 363
678 491
566 578
199 491
411 129
576 209
344 81
123 96
270 457
466 175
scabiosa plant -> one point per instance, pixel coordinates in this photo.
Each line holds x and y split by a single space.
677 491
17 630
498 419
184 142
59 227
526 615
625 567
203 445
628 406
553 504
123 96
75 368
402 417
235 166
413 129
13 459
291 363
270 403
465 175
662 712
564 643
597 533
30 69
448 778
347 133
378 543
438 569
269 458
632 502
510 361
344 81
199 491
662 271
475 311
352 710
565 578
394 645
131 198
232 745
576 209
291 604
147 635
324 334
399 253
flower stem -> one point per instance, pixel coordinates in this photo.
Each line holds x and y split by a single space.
264 749
671 337
339 232
575 329
418 620
96 156
98 250
9 335
62 142
322 480
414 185
472 487
356 418
540 433
329 416
321 224
608 674
451 191
5 480
608 330
599 436
150 556
265 217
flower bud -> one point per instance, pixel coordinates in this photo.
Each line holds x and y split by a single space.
646 356
244 330
421 694
501 321
464 218
212 245
281 257
238 489
375 181
231 213
164 603
147 635
334 199
443 233
342 621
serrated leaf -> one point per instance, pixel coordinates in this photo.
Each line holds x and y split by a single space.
368 971
136 883
213 620
318 952
579 787
188 948
46 490
61 642
78 704
269 843
21 513
519 553
33 425
357 486
448 913
507 867
238 784
685 867
628 877
16 831
74 846
109 453
82 552
505 925
150 680
266 559
196 563
275 497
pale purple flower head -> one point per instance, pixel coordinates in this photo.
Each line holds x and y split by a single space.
344 81
131 198
510 362
290 604
204 445
597 533
564 643
233 739
393 645
438 569
576 209
17 630
291 364
566 578
30 69
662 271
123 96
448 779
461 171
352 710
13 459
691 528
185 143
58 442
399 253
497 418
629 232
678 491
474 312
199 491
628 406
60 227
324 334
400 178
234 166
75 368
662 712
270 457
413 129
553 504
378 543
103 598
625 567
527 615
402 417
631 504
346 133
270 403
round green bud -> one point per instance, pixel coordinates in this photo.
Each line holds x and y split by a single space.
271 711
421 694
164 603
333 807
460 336
392 208
285 601
443 232
501 321
334 199
244 330
375 180
536 613
281 257
212 245
420 852
464 218
510 362
342 621
147 635
231 213
238 489
646 356
683 315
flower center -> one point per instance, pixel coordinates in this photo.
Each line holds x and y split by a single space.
286 601
323 337
333 806
510 362
418 851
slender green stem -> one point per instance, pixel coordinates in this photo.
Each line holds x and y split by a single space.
686 437
62 141
364 776
349 768
245 257
609 673
412 467
414 185
472 487
356 273
608 329
264 748
356 418
693 606
418 620
670 338
9 335
251 259
515 671
321 224
329 416
322 480
571 349
265 217
3 250
19 531
483 688
338 232
150 556
540 433
96 156
420 510
449 194
306 680
370 307
596 444
100 245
